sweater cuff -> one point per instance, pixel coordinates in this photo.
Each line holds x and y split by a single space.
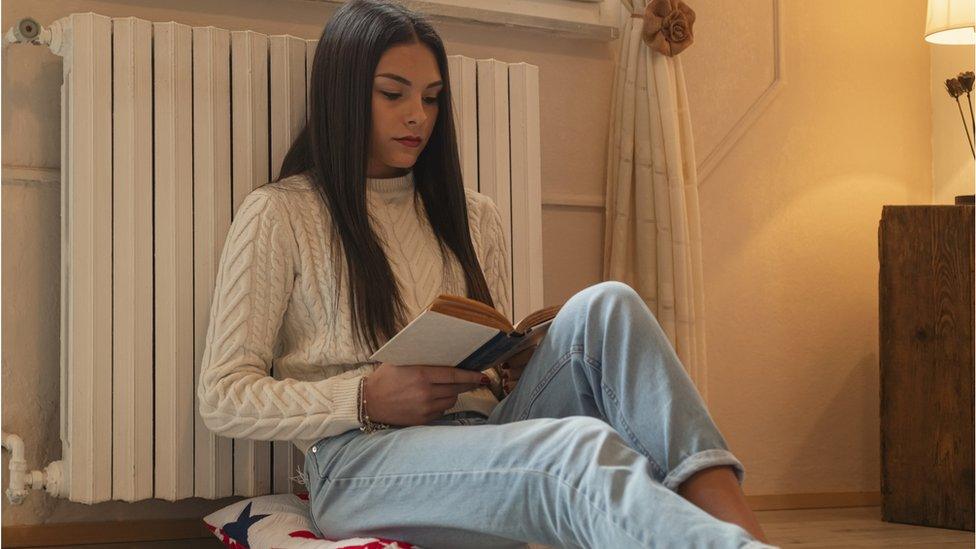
345 394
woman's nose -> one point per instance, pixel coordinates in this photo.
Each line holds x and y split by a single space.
417 116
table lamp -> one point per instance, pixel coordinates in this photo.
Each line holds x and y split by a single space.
953 22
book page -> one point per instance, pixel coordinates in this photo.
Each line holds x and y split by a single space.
471 310
537 318
434 339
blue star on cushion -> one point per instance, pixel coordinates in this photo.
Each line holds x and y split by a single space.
238 528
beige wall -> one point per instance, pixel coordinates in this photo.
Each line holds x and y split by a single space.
789 222
952 166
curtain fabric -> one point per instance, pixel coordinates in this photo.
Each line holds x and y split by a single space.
653 232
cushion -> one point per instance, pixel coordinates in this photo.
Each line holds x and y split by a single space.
281 521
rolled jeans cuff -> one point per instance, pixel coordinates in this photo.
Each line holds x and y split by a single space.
703 460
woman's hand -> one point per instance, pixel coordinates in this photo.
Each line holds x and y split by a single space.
416 394
513 367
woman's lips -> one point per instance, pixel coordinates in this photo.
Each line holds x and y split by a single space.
412 143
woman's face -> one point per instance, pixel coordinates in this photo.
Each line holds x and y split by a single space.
405 89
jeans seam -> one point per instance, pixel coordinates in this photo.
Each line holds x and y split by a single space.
584 496
328 465
537 390
616 402
580 348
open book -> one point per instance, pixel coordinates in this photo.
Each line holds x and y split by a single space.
464 333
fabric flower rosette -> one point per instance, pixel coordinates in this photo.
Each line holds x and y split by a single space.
668 26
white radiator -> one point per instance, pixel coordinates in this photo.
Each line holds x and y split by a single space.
152 116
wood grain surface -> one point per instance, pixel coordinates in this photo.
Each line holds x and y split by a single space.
926 361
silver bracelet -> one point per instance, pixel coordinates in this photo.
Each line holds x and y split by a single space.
367 425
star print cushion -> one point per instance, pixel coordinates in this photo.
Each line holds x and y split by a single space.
281 521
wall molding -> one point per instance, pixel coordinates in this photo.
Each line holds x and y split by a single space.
74 533
479 16
823 500
752 114
127 531
29 174
573 199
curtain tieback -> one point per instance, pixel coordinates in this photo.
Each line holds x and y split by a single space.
667 26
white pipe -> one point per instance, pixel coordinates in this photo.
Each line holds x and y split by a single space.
53 479
22 482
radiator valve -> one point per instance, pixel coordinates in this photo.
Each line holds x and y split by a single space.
27 31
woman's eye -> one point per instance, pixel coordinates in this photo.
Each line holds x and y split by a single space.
394 96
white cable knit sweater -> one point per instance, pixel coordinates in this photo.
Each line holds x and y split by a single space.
275 304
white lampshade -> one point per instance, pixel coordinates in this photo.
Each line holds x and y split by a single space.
951 22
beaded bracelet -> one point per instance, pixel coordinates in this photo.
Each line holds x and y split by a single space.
367 425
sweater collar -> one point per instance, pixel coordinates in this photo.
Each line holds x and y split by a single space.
391 185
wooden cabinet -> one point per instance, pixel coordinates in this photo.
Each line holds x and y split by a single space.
926 305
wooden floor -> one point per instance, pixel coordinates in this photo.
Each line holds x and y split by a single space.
853 527
848 527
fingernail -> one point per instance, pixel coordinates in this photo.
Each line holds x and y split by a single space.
485 380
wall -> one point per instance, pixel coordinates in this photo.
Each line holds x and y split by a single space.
952 160
789 222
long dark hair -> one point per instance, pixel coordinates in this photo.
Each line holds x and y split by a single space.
332 151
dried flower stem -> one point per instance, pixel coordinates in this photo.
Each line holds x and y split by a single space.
971 119
965 126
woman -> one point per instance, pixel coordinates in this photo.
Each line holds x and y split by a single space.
597 438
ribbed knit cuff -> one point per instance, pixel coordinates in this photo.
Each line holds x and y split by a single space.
345 399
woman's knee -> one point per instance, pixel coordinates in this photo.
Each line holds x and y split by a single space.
606 301
581 439
608 293
584 445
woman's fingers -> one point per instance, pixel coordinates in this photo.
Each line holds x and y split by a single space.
527 352
519 359
511 370
523 356
509 380
515 370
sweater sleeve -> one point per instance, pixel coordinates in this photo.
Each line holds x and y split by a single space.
238 397
497 268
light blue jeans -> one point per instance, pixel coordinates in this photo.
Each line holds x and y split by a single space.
587 451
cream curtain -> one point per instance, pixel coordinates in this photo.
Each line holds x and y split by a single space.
653 231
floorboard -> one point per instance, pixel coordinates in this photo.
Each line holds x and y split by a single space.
803 528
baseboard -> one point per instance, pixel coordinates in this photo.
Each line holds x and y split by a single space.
813 501
78 533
